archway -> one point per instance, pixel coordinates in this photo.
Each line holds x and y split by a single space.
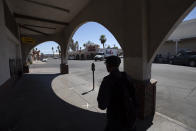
77 57
176 83
139 19
44 58
172 29
82 57
86 38
89 45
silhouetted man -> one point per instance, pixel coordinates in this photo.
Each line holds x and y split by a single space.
117 95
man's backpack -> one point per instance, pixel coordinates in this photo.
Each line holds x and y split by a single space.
129 100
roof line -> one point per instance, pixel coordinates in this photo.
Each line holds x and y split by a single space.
39 19
46 27
47 5
27 28
182 39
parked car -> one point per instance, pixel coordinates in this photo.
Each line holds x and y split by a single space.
71 57
121 56
44 60
160 59
99 56
184 58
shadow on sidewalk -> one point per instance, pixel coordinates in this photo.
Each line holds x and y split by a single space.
31 105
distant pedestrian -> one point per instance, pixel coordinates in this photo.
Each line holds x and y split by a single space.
117 95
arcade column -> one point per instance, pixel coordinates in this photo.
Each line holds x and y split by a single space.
64 68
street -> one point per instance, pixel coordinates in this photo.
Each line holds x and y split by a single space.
176 87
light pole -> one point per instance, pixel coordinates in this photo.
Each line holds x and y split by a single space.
177 41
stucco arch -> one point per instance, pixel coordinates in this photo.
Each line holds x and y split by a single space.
140 27
76 27
92 13
179 19
38 40
73 29
29 47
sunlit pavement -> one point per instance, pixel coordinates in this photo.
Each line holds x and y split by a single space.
175 89
71 88
176 94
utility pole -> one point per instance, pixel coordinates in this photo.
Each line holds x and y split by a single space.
177 45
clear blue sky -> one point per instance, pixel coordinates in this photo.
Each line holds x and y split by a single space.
92 31
191 15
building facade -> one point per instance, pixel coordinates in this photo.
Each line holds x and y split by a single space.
183 38
89 52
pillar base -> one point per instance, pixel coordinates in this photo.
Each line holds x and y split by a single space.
146 96
26 69
64 69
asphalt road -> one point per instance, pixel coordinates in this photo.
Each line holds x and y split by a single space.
176 88
52 66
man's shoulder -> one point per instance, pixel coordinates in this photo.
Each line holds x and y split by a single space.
106 78
127 77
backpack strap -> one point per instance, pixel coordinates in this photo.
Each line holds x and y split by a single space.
129 87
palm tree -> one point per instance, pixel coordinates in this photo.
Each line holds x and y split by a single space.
84 45
102 39
56 51
76 46
59 50
53 51
115 47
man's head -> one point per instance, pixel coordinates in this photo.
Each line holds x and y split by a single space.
112 62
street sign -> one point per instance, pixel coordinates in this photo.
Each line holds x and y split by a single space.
27 40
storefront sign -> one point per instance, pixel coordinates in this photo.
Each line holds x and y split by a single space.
91 48
27 40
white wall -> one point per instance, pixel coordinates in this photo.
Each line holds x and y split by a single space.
9 48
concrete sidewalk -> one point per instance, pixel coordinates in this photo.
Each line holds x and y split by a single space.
54 102
74 90
31 105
